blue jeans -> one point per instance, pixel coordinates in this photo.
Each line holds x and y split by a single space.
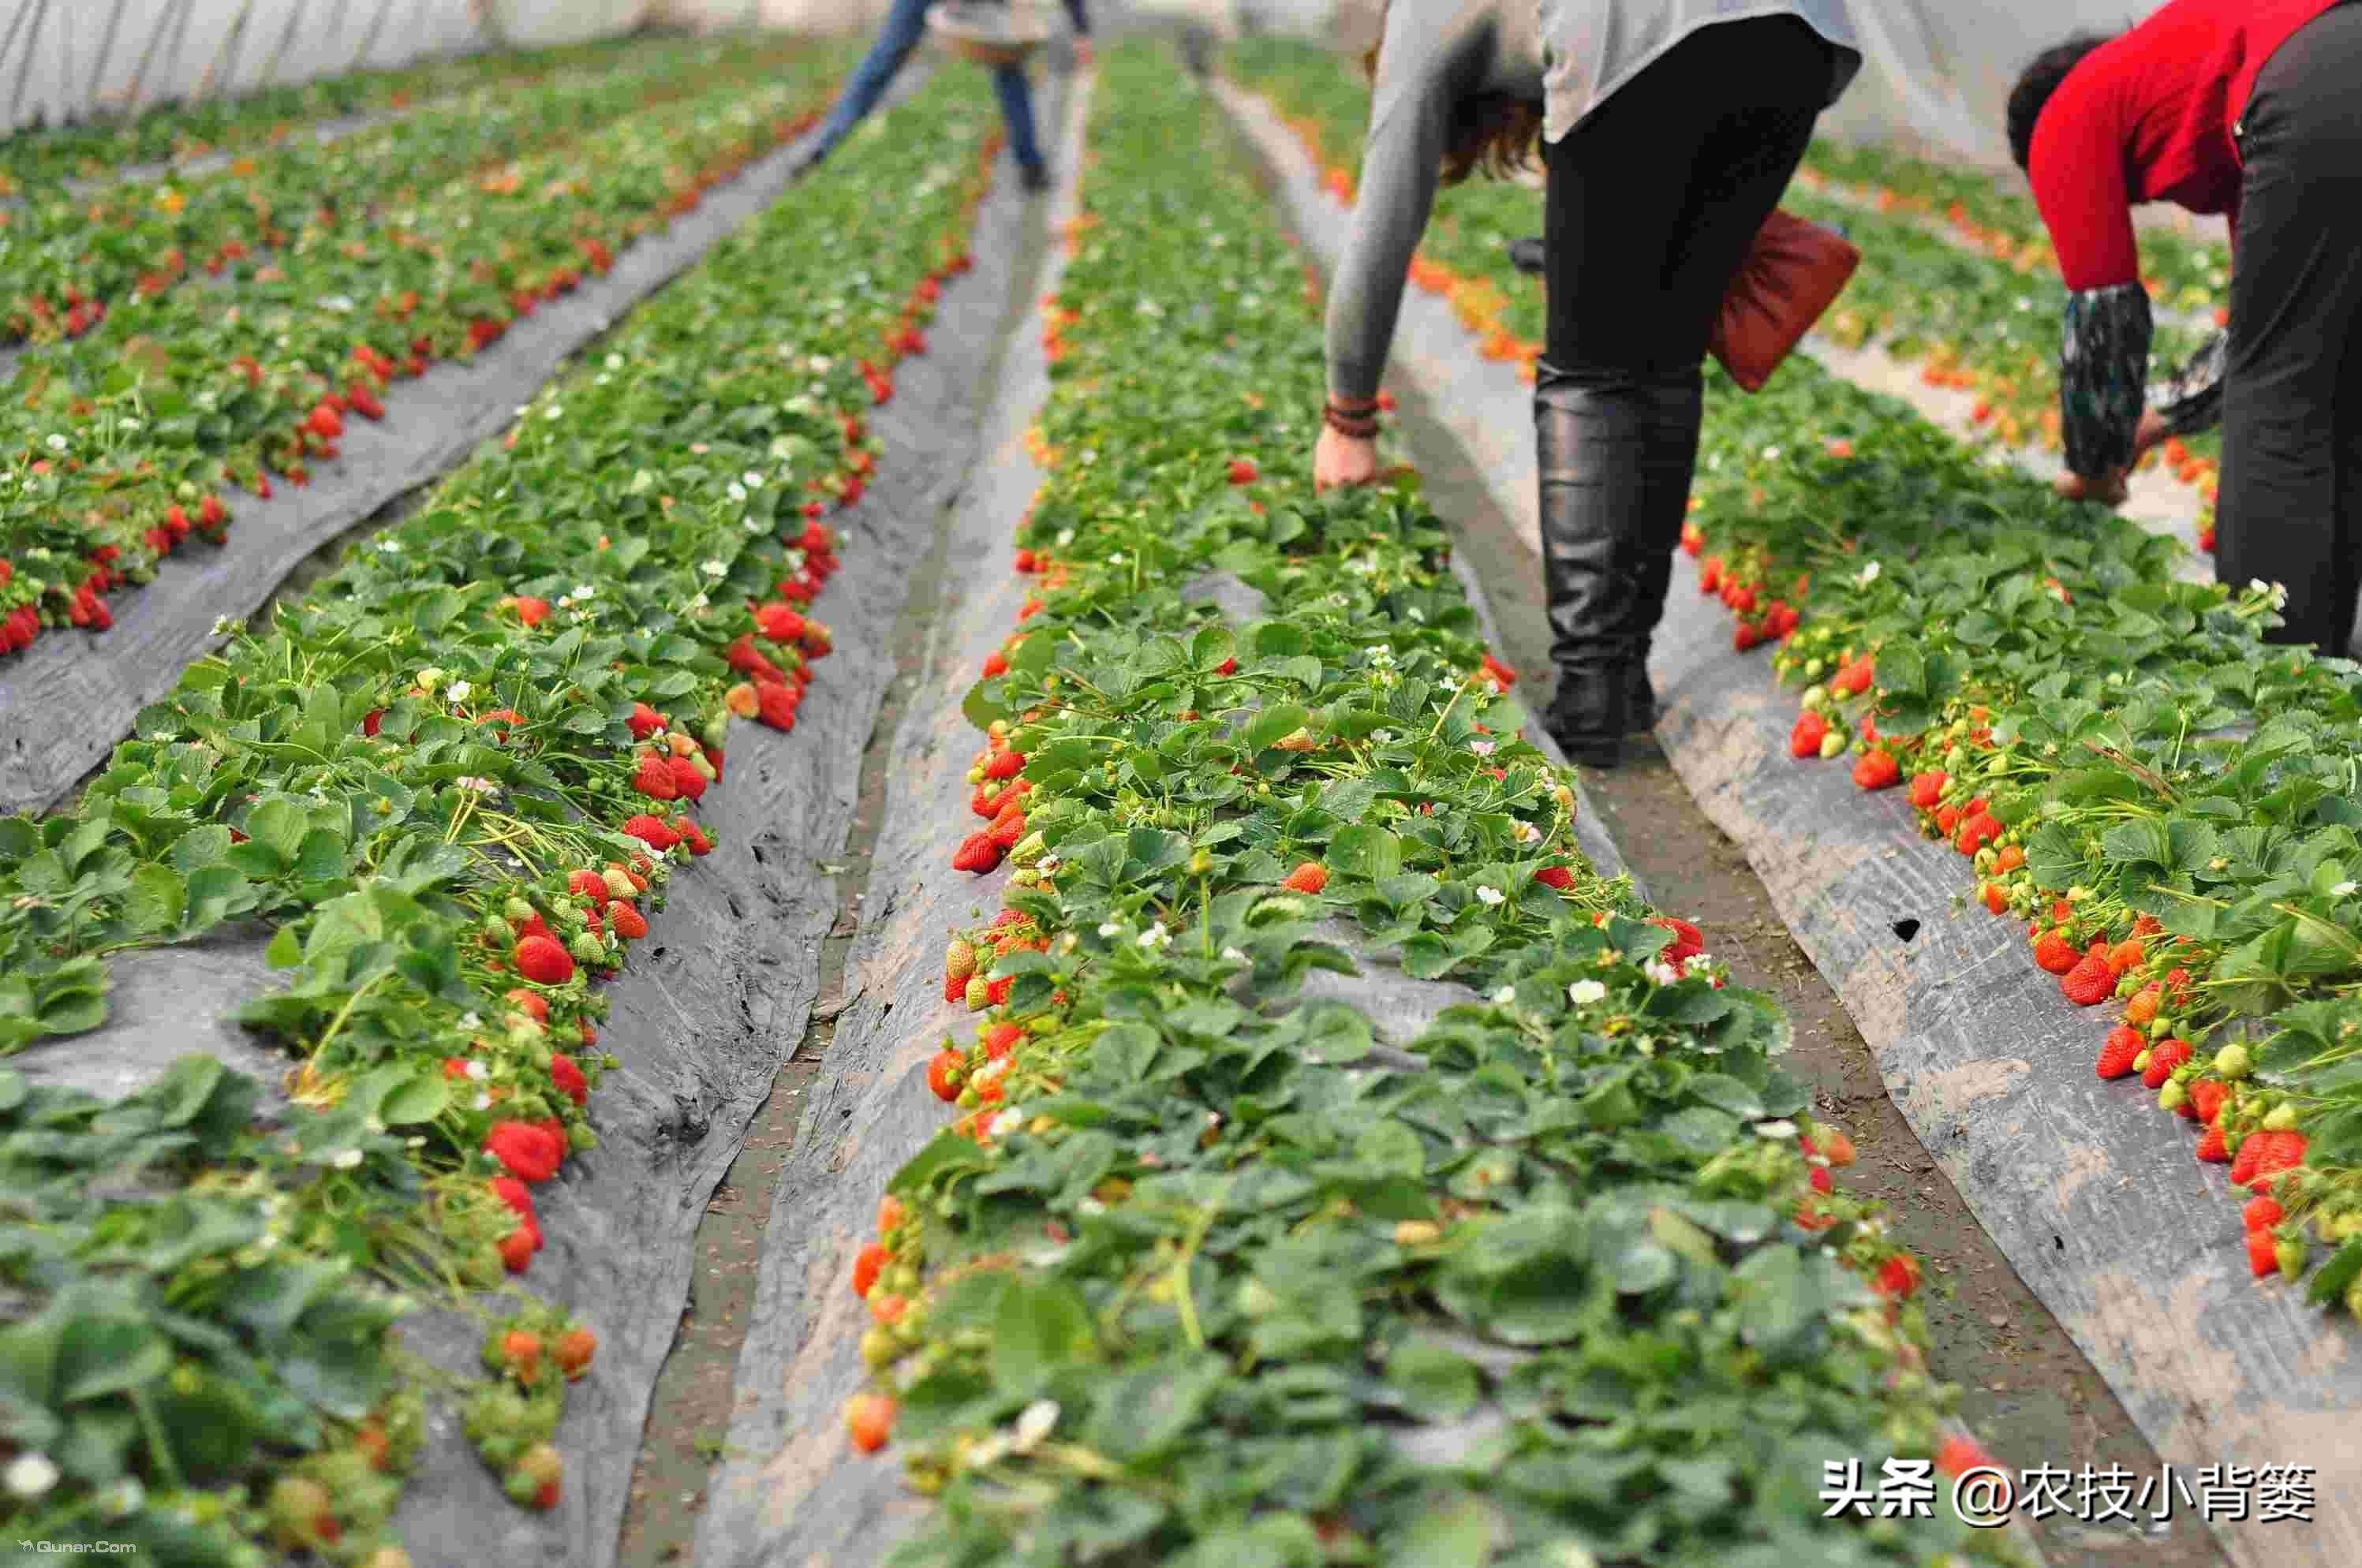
906 24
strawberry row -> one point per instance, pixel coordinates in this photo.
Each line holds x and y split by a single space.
456 777
71 257
178 133
120 439
1198 1265
2165 799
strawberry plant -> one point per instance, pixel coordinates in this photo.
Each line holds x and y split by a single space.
1194 1256
119 443
454 778
2166 802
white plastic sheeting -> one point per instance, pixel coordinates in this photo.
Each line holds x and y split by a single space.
77 60
1935 78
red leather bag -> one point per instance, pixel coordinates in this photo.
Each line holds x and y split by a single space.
1793 273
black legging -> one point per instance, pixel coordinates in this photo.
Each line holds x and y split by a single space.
2291 504
1653 200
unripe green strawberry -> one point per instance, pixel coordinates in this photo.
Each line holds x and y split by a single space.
517 909
1832 744
619 885
2345 1228
705 766
301 1514
586 948
2231 1062
1029 849
2292 1254
959 959
878 1349
1815 667
976 775
497 928
1813 699
716 733
2161 1028
2172 1095
2354 1299
580 1138
1955 759
2140 1064
2281 1117
978 994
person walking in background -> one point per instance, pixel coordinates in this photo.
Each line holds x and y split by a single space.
1669 131
906 24
2251 109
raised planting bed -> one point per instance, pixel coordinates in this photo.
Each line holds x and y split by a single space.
653 229
2129 763
1501 1244
401 836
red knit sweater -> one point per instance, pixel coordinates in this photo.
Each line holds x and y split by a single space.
2147 117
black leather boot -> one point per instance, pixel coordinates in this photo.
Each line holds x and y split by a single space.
1615 455
1528 256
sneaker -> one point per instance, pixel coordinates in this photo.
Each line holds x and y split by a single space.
1033 177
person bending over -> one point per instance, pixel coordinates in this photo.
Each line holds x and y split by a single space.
2251 109
1669 129
906 24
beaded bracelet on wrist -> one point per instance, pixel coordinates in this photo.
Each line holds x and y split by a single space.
1357 420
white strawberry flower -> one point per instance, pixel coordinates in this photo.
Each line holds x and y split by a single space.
1771 454
459 692
1154 937
2343 890
1110 930
1234 955
346 1159
478 1071
56 443
1007 1121
1583 993
483 1102
1697 963
712 567
390 546
737 492
30 1475
1663 973
553 411
751 479
1482 747
585 591
1783 1127
1868 575
1490 897
1526 833
1504 996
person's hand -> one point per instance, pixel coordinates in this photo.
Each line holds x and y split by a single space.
2108 492
2152 432
1340 459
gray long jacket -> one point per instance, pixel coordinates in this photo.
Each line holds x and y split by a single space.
1436 53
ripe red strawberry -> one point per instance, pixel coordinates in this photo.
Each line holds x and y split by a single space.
941 1074
1308 879
2090 982
693 836
869 1421
1854 679
573 1352
978 853
1688 939
326 422
2261 1213
1006 829
652 832
2263 1253
1503 676
1006 765
654 777
543 960
1898 1277
2163 1057
1976 833
1836 1145
644 720
1001 1040
587 883
1559 877
2055 952
2118 1053
1805 739
529 1153
1243 471
776 703
2205 1101
868 1264
1745 635
688 783
515 1195
779 623
2213 1148
1879 770
518 1246
2276 1152
1958 1454
568 1077
996 664
1821 1181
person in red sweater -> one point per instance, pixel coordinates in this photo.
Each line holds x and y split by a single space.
2251 109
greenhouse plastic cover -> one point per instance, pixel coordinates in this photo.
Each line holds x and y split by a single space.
73 59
